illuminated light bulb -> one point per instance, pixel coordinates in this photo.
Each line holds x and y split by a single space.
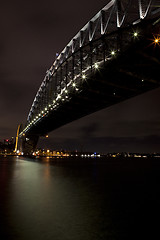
66 91
135 34
45 109
73 84
96 65
83 76
156 40
112 53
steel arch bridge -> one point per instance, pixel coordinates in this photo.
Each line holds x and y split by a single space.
115 56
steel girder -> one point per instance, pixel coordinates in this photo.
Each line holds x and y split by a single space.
109 32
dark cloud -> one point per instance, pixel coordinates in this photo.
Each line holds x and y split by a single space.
105 144
130 125
89 130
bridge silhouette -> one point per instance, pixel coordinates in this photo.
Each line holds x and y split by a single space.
114 57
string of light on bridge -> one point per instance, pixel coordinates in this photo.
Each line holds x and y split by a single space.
73 85
64 95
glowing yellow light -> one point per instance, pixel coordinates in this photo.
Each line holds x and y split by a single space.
46 136
73 84
113 53
156 40
83 76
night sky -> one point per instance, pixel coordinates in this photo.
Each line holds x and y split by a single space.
32 32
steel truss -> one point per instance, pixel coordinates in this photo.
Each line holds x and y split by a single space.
103 37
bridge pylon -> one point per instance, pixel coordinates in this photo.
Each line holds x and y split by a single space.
28 144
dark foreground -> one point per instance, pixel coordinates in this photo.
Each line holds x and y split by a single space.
100 200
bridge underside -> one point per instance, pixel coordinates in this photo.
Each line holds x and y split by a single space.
112 58
134 72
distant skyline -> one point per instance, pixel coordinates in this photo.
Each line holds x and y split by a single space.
32 32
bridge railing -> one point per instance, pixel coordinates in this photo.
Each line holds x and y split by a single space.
96 43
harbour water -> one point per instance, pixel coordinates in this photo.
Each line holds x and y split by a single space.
43 200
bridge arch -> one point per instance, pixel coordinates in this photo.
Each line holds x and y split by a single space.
87 67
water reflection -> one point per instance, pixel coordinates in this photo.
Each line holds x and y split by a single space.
41 200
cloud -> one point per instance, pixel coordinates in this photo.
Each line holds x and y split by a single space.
104 144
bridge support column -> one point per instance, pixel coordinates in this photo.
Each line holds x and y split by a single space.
28 144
